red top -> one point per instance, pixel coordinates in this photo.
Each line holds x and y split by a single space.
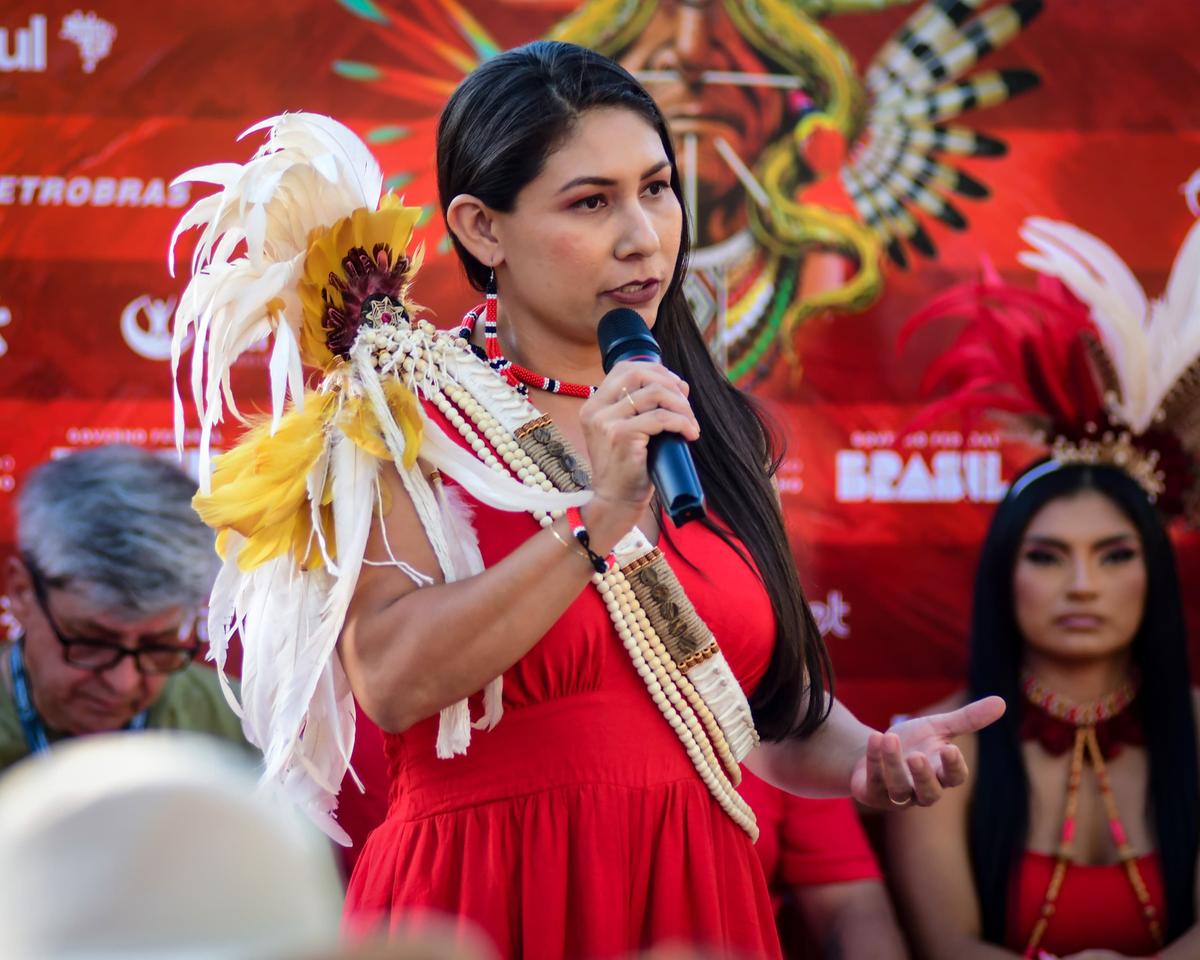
806 842
1096 908
578 827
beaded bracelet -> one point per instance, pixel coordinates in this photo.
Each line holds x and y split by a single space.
579 529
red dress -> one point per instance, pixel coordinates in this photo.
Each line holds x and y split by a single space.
806 842
1096 908
578 827
803 843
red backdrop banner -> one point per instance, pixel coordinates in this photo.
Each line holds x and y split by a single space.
101 106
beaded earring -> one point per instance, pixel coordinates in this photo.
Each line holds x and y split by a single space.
489 317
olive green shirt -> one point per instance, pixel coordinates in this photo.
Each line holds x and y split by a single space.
191 700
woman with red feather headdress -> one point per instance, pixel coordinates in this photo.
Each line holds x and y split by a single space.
1080 834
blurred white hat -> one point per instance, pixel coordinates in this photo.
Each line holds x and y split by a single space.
156 845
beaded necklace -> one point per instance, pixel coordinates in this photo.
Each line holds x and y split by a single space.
671 648
1085 717
1050 721
519 377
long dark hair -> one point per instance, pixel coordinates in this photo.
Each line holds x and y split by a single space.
494 136
998 821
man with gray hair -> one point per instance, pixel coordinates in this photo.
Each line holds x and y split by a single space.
113 568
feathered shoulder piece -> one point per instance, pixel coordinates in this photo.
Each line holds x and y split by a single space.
300 246
1084 363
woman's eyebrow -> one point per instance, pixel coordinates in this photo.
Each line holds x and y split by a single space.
1037 540
607 181
1102 544
1113 540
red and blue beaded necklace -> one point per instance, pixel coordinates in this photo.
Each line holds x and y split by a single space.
521 378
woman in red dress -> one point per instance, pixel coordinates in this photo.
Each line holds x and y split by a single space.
1080 834
577 827
1078 620
621 669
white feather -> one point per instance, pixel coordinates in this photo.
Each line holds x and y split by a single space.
296 705
454 514
1098 277
310 172
1175 319
318 476
1191 192
1150 344
287 374
222 617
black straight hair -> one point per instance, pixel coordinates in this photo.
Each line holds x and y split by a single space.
494 137
998 820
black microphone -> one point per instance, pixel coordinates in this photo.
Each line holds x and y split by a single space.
623 335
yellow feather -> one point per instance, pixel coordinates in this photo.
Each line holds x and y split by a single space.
407 414
359 423
260 487
259 491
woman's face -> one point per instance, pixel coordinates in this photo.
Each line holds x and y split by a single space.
1079 584
599 228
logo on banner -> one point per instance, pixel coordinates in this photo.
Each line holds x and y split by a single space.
23 49
93 36
934 468
27 191
831 614
146 327
5 320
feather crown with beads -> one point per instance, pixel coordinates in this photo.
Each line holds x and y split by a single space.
300 245
1085 363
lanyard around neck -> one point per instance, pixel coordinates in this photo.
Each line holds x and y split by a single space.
31 722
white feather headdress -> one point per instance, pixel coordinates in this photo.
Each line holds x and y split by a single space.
1152 346
300 245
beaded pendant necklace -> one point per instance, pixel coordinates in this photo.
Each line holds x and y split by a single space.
671 648
519 377
1085 717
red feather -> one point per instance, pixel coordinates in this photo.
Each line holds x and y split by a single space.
1021 351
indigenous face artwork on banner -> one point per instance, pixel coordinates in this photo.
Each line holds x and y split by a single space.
843 161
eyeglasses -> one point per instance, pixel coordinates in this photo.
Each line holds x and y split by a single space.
87 653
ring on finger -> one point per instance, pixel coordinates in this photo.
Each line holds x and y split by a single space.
632 402
899 803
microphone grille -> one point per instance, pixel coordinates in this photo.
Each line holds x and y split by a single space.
618 328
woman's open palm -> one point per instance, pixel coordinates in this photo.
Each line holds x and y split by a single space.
916 761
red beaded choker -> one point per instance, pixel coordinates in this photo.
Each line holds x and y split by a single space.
520 377
1053 720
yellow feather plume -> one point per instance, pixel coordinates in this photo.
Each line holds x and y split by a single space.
260 487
